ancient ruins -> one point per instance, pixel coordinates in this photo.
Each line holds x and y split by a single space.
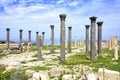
60 55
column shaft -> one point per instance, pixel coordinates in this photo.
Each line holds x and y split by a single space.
52 38
21 46
43 38
62 37
99 36
93 38
8 39
87 38
69 38
29 41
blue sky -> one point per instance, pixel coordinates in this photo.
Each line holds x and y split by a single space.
38 15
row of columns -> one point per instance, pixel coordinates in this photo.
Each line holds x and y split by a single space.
62 37
21 42
112 42
93 37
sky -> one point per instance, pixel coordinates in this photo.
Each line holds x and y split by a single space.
38 15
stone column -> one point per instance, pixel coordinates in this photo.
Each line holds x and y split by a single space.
99 36
69 38
116 40
109 44
43 38
39 46
29 41
8 39
21 44
75 43
52 38
37 34
93 38
62 37
87 38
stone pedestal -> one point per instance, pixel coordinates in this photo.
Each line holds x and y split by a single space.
52 38
99 36
62 36
115 53
69 38
93 38
87 38
8 39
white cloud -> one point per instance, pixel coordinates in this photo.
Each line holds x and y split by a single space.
60 1
75 3
38 17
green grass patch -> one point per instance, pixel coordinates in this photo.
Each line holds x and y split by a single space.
35 55
12 75
14 52
3 55
38 68
23 62
103 61
46 47
33 60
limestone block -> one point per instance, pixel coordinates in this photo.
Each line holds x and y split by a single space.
105 74
36 76
29 73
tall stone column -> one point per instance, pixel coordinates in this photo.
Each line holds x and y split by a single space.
52 38
39 46
69 38
87 38
8 38
99 36
37 35
93 38
62 37
43 38
21 45
29 41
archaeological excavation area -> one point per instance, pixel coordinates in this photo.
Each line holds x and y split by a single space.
89 58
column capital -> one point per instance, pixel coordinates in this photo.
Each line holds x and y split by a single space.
52 26
62 17
7 29
21 30
37 32
93 18
100 23
70 27
87 26
29 31
43 33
